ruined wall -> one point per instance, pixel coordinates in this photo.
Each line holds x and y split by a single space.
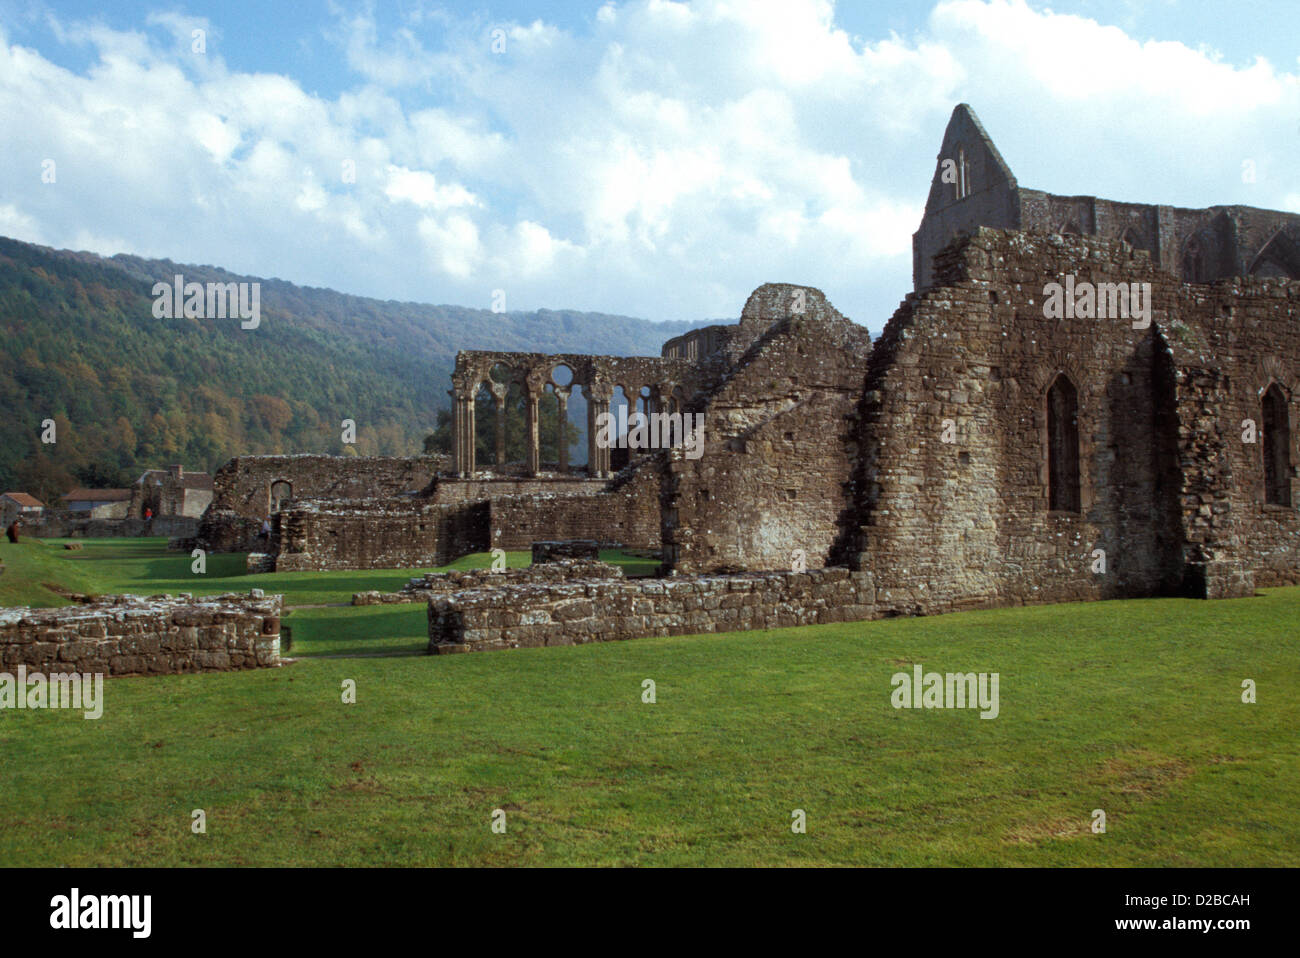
243 485
1230 342
565 550
1163 490
972 187
433 584
130 635
530 616
777 451
79 525
370 534
242 495
450 490
1194 245
627 514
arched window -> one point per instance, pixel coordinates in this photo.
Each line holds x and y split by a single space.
963 183
1277 447
281 493
1063 446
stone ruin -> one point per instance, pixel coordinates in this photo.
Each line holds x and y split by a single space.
425 587
546 551
981 452
130 635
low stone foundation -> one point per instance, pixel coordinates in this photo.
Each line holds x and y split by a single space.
75 525
431 584
258 562
527 616
131 635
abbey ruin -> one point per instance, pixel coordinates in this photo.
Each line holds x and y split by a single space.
977 454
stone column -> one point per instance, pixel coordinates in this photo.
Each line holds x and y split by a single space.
499 394
598 397
463 433
530 430
562 425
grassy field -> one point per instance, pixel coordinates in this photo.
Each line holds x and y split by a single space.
1131 707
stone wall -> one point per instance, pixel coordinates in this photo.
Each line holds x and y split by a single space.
449 490
431 584
1230 342
242 489
626 515
778 448
1194 245
1168 491
79 525
565 549
528 616
369 534
129 635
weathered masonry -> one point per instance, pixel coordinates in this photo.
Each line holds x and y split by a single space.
994 457
653 383
130 635
986 450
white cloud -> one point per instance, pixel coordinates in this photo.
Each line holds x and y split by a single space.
421 188
19 225
662 160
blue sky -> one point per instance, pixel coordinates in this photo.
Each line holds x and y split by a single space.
644 157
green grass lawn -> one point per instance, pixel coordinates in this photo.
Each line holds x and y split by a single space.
146 566
1133 707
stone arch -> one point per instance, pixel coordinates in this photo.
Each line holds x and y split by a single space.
278 494
1279 257
500 374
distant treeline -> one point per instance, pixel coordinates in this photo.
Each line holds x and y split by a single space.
127 391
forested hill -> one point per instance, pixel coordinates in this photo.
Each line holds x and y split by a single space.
127 391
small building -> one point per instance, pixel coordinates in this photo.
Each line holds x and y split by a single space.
171 492
100 503
19 505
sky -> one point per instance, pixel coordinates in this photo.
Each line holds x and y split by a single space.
644 157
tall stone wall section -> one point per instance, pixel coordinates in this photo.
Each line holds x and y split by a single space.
626 514
1230 342
129 635
1169 493
778 448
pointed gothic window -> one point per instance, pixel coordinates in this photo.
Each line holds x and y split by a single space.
1063 446
1277 447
